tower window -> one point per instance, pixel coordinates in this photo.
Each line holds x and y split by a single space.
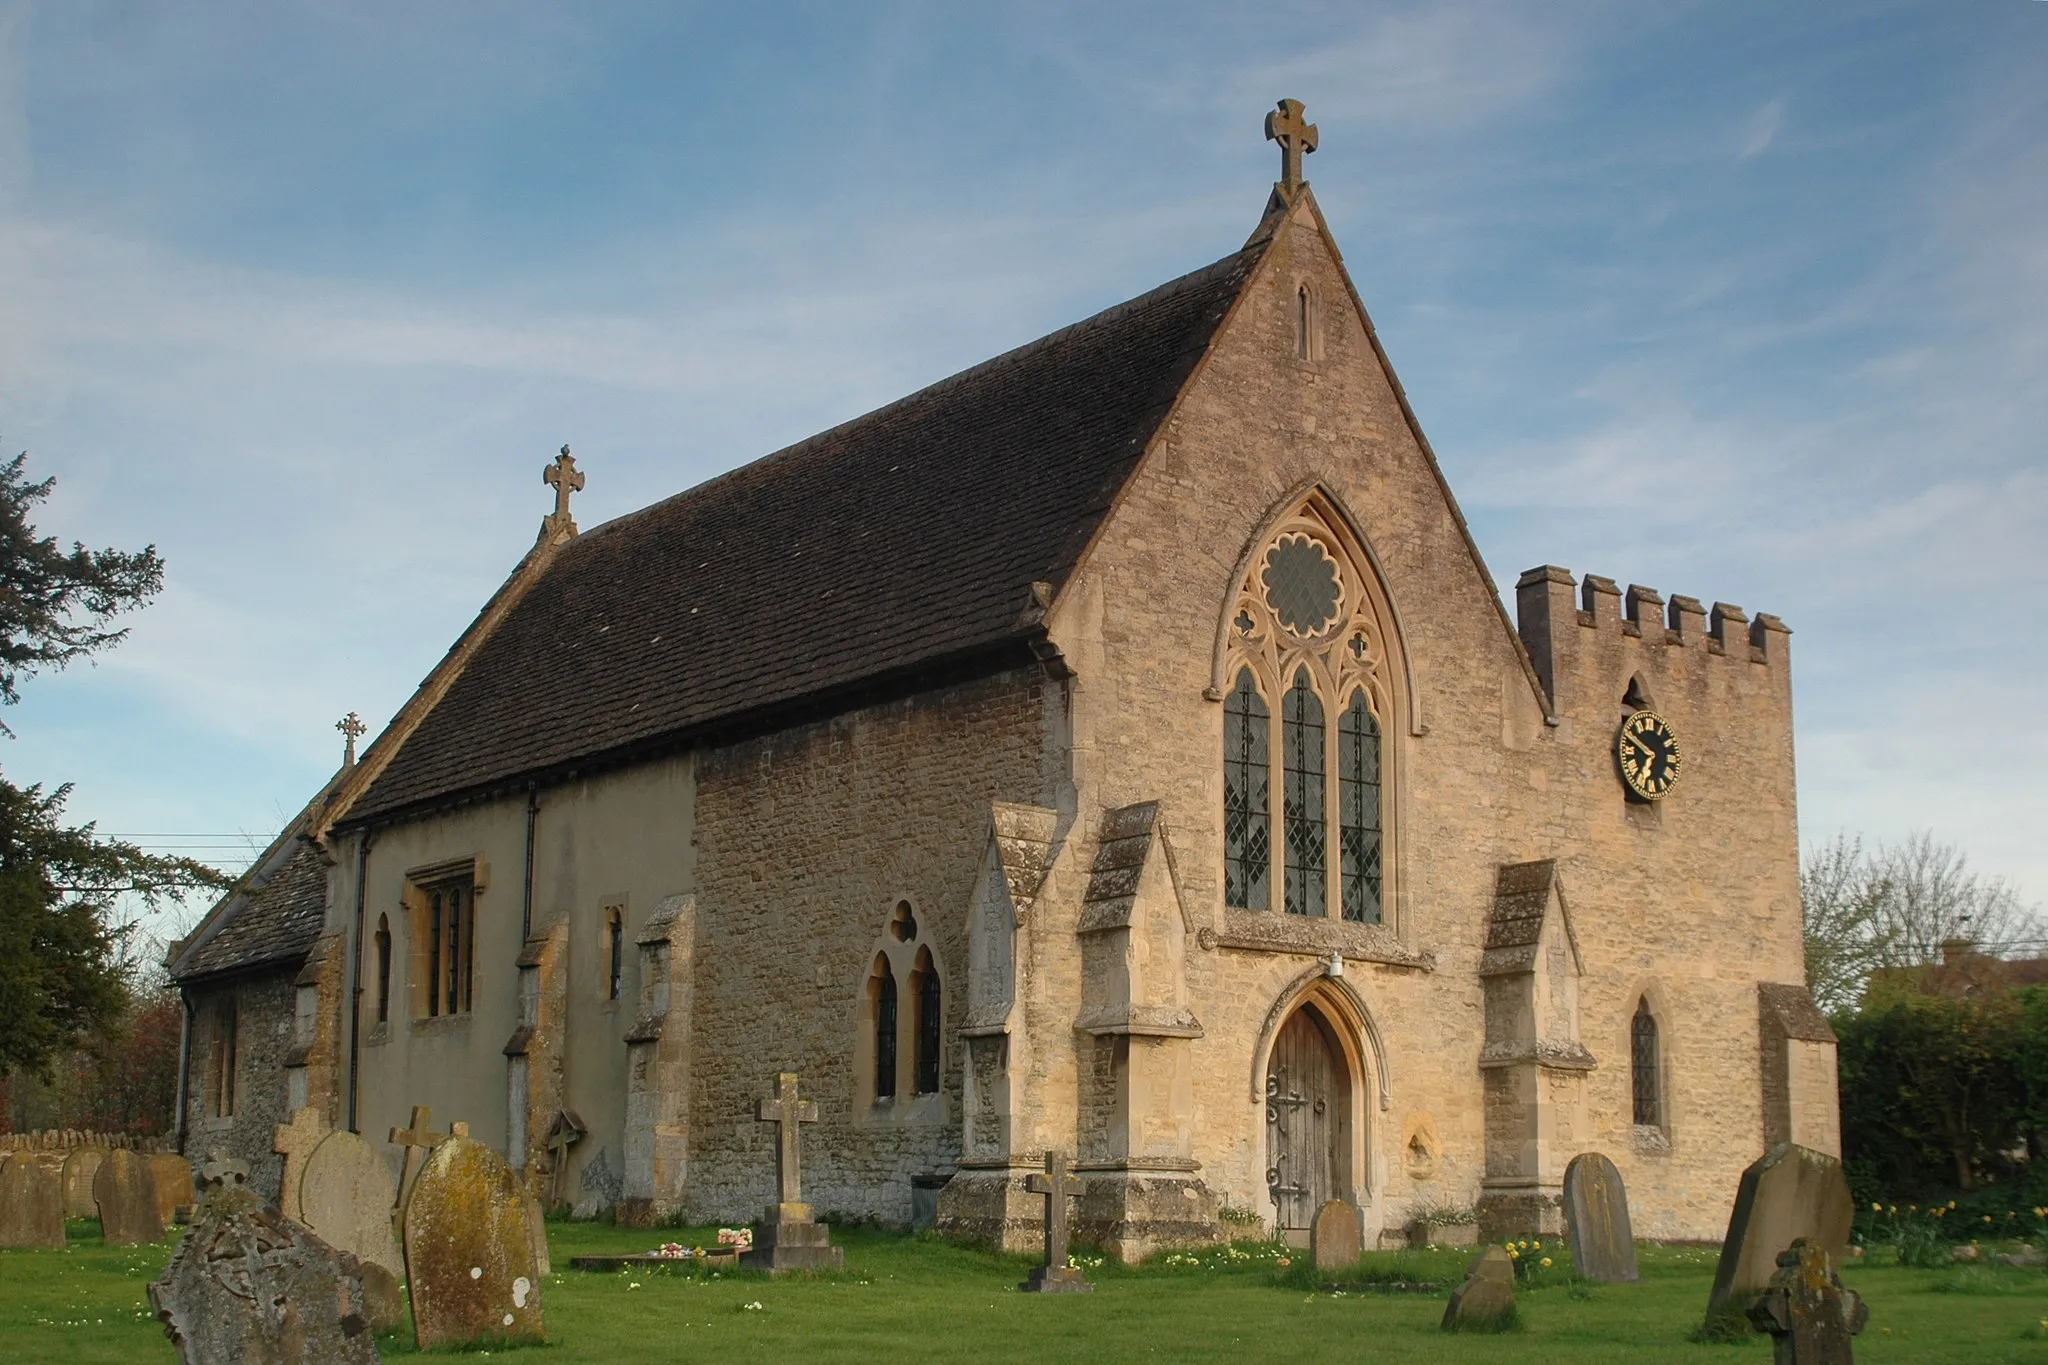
1304 324
1643 1068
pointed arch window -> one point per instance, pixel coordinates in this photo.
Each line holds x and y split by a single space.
883 990
1358 811
1304 323
1643 1067
615 946
1310 636
925 983
383 969
1301 748
1247 814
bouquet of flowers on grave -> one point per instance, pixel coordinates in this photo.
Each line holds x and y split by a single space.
676 1251
739 1239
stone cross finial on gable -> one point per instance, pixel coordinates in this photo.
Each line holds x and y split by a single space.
786 1111
352 729
565 478
1296 136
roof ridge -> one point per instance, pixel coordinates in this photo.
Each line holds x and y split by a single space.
1015 355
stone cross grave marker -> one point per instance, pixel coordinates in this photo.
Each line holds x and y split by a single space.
468 1251
125 1193
416 1140
79 1169
1485 1302
562 1135
295 1142
1296 136
790 1239
1055 1276
1337 1236
1596 1220
345 1197
1789 1193
1811 1318
171 1177
250 1286
31 1200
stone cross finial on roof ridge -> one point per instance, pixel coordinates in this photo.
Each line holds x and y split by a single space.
1296 136
352 729
565 478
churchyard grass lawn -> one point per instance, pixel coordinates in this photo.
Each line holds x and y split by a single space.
910 1299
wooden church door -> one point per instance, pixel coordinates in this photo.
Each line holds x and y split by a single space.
1308 1123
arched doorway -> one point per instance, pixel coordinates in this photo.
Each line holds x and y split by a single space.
1308 1122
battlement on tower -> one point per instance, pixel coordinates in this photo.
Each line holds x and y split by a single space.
1567 624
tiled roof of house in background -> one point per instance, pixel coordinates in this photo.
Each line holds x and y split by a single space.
273 918
898 541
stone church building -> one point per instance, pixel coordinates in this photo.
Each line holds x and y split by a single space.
1119 747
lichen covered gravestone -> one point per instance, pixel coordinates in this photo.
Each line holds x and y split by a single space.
1337 1236
1485 1302
468 1252
1790 1193
1811 1318
125 1193
171 1177
1596 1220
345 1196
79 1168
248 1286
31 1200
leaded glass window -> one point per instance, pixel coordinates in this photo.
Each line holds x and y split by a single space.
927 1028
1358 811
1247 802
885 1030
1649 1108
1307 822
1302 586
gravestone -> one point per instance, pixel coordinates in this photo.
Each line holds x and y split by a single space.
1337 1236
1055 1276
125 1194
1811 1318
31 1200
295 1142
1789 1193
537 1225
468 1251
1485 1302
79 1168
790 1239
171 1178
249 1286
345 1197
1596 1221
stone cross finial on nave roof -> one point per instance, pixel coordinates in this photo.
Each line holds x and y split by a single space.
352 729
565 478
1296 136
786 1111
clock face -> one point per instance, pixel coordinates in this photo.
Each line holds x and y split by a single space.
1647 753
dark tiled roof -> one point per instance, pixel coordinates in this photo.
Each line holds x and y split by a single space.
272 920
893 543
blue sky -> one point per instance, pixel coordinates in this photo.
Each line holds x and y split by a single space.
1743 301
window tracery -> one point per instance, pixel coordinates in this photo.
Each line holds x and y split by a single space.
900 1052
1312 685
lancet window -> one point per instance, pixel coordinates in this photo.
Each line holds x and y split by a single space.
1310 689
901 1059
882 997
1649 1105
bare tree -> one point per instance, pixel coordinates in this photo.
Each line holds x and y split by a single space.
1842 897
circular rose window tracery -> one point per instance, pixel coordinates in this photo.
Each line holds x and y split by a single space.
1302 586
